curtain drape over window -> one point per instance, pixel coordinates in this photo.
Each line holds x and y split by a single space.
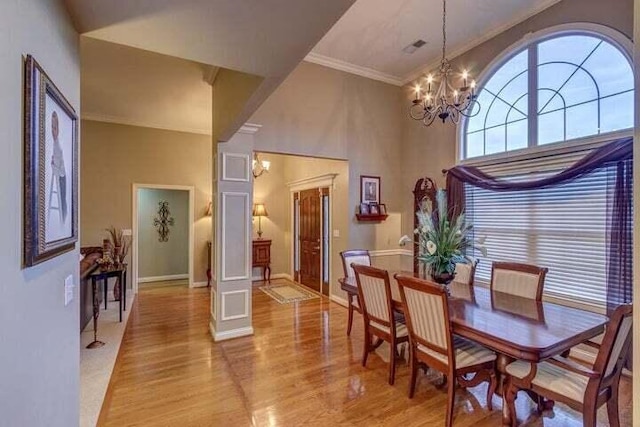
616 158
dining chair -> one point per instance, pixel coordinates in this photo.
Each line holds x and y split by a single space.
432 342
582 388
523 280
357 256
374 294
465 272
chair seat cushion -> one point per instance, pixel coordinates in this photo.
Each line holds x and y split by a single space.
467 353
553 378
401 328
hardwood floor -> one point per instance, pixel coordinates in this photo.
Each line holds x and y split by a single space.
299 368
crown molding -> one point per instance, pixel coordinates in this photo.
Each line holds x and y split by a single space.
358 70
479 40
129 122
249 128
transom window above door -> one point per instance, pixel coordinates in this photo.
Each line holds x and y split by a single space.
562 87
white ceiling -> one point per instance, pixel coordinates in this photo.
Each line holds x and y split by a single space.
253 36
265 38
369 38
121 84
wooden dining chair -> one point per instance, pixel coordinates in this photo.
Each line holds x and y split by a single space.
523 280
355 256
582 388
465 272
374 294
432 342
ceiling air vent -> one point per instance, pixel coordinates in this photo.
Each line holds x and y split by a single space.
414 46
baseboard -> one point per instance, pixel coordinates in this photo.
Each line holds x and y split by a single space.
162 278
341 301
199 285
227 335
273 276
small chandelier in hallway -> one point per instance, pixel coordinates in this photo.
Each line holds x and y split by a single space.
446 102
259 166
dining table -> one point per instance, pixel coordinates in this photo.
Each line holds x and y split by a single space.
516 328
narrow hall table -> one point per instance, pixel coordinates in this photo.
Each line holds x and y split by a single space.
514 327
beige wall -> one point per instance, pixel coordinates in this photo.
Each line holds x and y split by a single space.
322 112
272 189
116 156
163 258
39 338
427 150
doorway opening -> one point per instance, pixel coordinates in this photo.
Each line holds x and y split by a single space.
162 236
307 223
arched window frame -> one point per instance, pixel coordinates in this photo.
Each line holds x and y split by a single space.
529 41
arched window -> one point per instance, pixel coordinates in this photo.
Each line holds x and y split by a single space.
561 87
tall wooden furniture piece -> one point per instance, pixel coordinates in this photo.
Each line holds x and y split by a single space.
523 280
262 257
374 295
354 256
584 389
431 341
423 192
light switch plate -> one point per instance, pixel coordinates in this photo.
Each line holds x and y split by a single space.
68 289
126 232
336 233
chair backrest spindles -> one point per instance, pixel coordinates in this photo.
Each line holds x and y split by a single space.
616 341
374 293
354 256
426 313
465 272
523 280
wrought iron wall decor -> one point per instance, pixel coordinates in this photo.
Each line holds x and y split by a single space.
163 221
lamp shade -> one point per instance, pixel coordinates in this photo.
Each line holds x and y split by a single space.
259 209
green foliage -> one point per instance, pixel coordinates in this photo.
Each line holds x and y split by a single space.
442 242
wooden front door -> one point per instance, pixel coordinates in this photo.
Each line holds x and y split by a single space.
310 253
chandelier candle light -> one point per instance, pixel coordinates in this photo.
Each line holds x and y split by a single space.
446 102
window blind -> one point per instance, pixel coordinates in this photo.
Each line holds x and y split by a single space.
562 228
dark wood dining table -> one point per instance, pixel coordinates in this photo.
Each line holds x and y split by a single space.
512 326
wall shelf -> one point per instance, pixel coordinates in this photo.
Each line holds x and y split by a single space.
371 218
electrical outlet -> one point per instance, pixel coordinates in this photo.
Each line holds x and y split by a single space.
68 290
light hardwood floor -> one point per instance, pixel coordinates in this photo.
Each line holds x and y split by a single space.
299 368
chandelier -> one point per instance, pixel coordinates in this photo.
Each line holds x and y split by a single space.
259 166
446 102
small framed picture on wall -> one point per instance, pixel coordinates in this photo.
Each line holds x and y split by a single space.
369 189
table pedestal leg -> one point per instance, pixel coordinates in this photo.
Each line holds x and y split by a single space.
96 311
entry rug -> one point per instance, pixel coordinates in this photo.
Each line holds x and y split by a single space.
288 293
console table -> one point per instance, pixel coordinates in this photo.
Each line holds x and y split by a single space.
262 257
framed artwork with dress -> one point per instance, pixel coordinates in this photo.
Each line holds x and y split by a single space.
369 189
50 168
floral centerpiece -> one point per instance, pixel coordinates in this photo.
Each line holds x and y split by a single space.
443 240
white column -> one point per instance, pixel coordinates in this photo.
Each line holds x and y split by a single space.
232 206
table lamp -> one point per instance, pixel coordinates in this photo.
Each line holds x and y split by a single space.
259 210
